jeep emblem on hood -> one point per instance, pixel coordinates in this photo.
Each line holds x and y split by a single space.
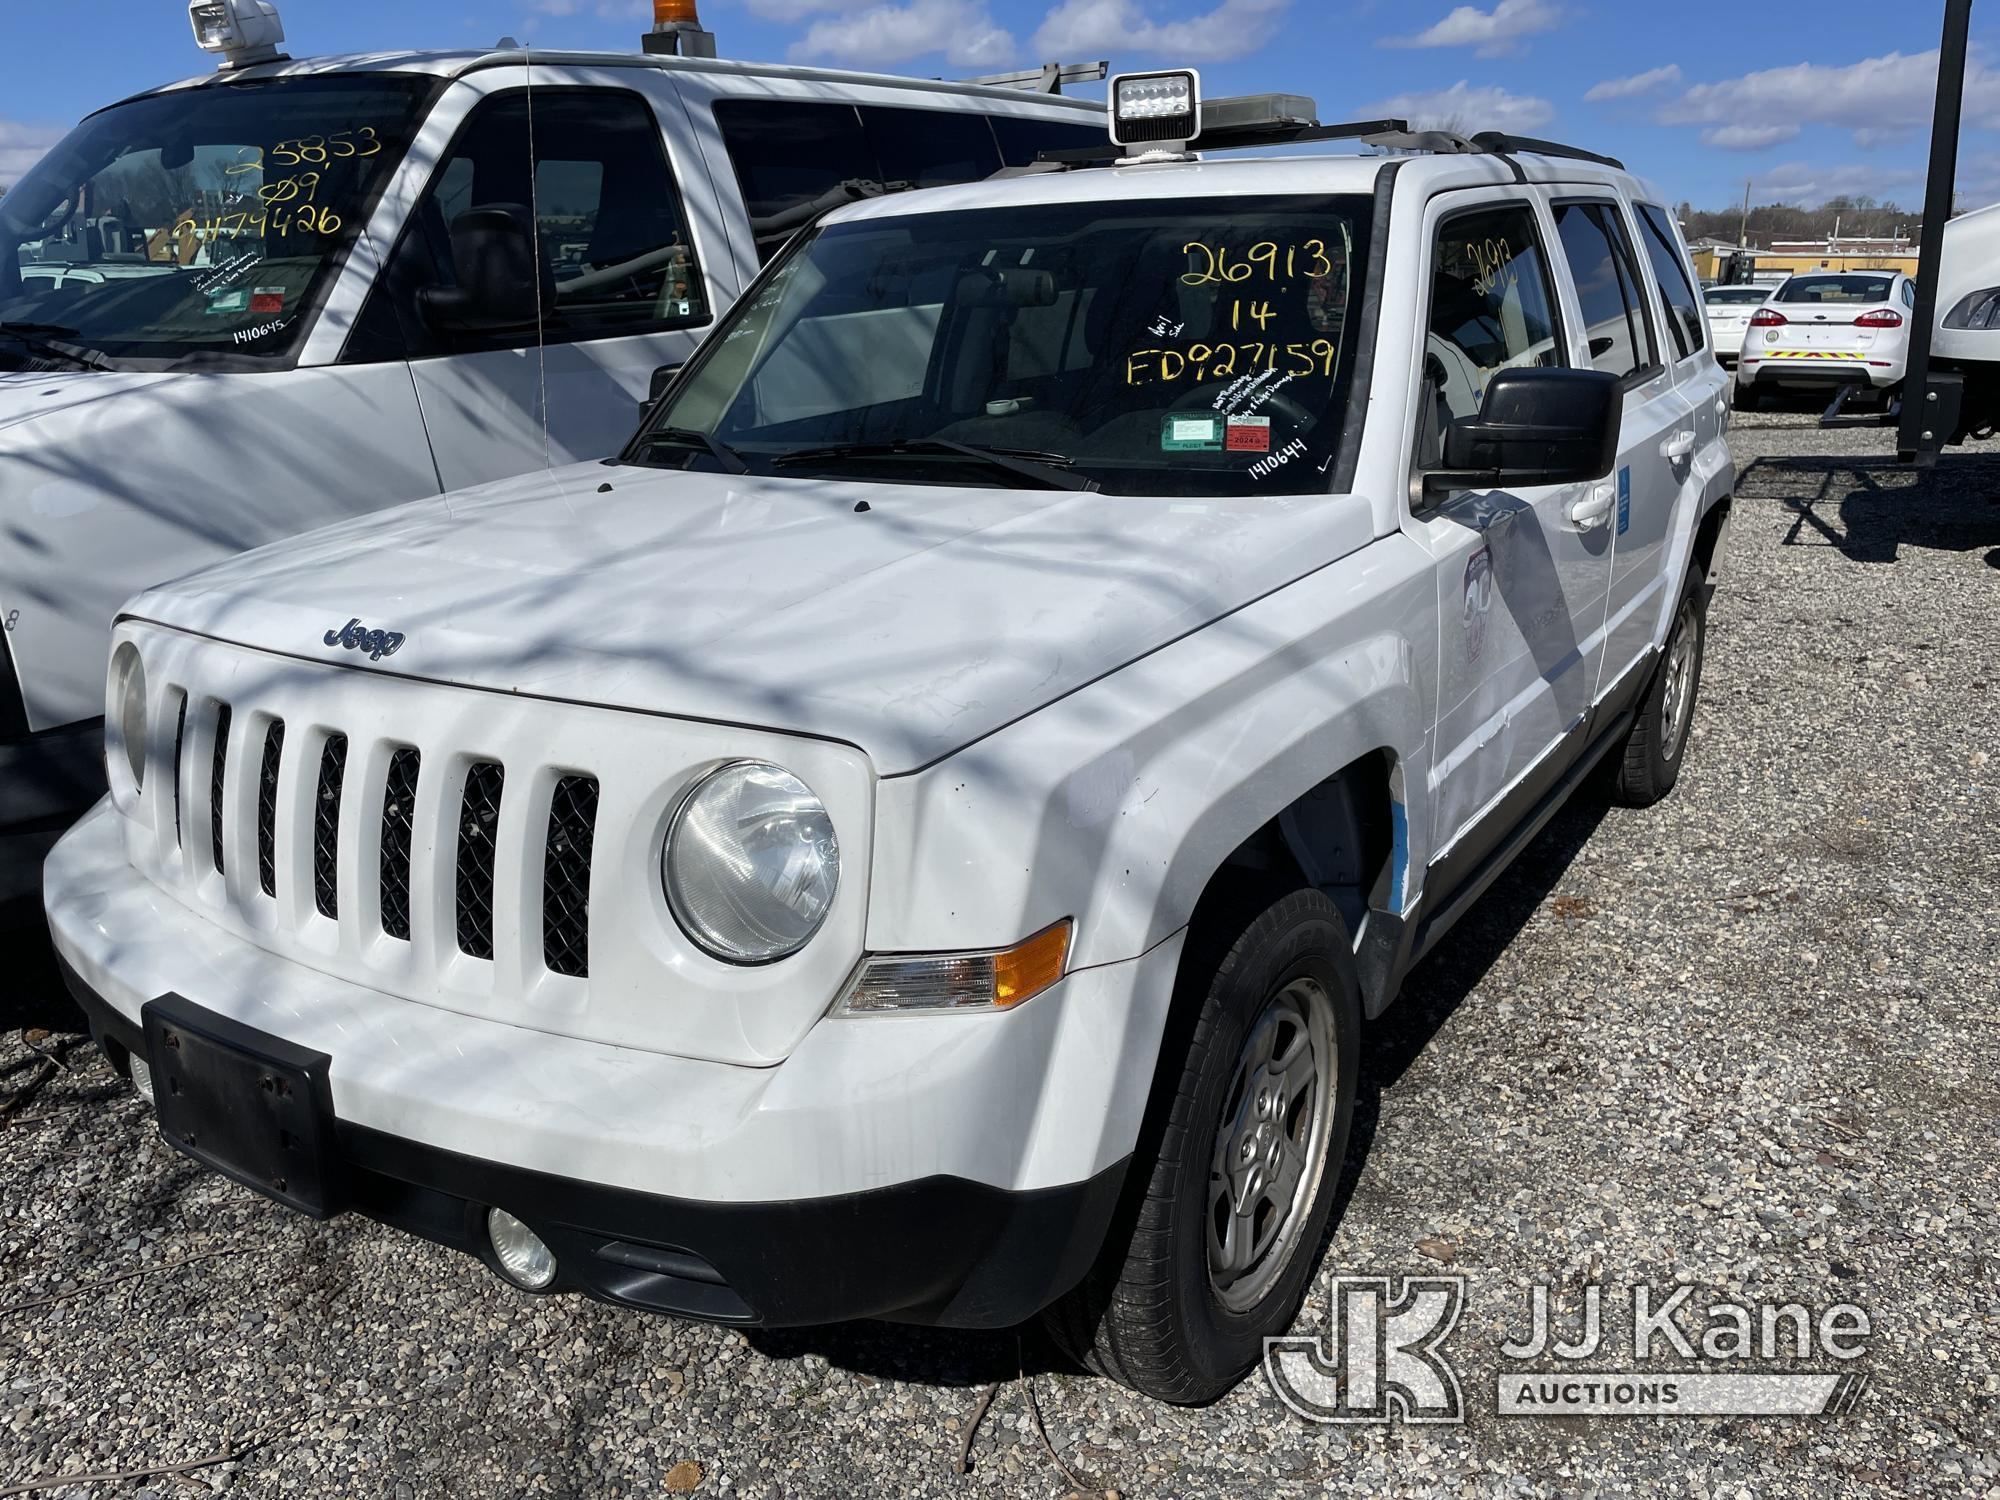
377 643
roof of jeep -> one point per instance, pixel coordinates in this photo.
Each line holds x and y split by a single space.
1234 176
459 64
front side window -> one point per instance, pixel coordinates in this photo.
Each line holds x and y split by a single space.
1618 330
585 175
1492 309
1142 348
203 223
1685 323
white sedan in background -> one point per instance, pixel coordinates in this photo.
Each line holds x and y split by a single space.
1729 309
1826 329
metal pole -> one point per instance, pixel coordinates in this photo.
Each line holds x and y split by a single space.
1930 412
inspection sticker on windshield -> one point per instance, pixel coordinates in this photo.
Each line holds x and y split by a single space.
1180 434
1249 435
267 299
223 304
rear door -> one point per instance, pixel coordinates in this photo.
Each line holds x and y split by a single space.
1613 307
1521 581
607 174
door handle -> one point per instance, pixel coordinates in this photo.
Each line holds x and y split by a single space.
1587 512
1678 447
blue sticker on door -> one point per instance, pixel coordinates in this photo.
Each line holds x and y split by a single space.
1624 501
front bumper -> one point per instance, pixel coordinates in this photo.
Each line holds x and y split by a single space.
47 781
958 1170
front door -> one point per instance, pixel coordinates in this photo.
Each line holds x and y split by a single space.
1522 575
624 285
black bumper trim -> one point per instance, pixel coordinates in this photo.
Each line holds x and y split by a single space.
943 1251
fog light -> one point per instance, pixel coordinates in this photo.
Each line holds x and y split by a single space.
524 1259
142 1076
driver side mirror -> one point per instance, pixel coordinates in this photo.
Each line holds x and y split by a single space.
502 283
1535 427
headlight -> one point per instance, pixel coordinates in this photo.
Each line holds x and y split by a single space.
751 863
128 708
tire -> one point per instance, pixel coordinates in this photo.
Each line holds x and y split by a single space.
1650 761
1156 1312
1745 397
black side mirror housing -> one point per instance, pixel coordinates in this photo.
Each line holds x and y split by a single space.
1535 427
502 283
657 387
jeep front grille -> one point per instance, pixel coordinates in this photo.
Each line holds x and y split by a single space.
291 834
399 812
478 839
267 808
218 765
326 826
566 876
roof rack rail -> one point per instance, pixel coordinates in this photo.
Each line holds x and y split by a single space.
1285 120
1049 78
1499 143
1219 134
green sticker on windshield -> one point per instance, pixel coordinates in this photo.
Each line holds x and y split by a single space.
1185 434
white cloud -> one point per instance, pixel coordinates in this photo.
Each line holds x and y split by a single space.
963 30
1639 83
1079 29
1466 109
1493 32
1894 92
1797 182
1747 137
21 146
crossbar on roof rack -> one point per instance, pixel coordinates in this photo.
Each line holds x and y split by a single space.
1048 78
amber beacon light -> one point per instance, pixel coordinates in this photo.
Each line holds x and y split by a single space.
677 31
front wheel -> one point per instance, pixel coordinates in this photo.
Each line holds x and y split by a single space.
1235 1175
1657 744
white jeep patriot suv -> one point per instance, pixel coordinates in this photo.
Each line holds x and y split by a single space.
919 834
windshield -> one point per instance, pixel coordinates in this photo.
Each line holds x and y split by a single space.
205 221
1737 296
1142 347
1835 289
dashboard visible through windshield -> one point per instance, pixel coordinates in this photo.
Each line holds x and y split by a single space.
200 222
1134 347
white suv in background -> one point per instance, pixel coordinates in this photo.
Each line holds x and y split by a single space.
257 302
921 833
1821 330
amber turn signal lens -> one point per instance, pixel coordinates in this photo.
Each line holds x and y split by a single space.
674 13
1022 973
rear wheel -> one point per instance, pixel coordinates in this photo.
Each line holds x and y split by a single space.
1746 397
1657 744
1235 1175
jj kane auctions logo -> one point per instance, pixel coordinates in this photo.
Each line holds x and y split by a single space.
1383 1357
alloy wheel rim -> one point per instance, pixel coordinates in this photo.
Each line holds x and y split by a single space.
1679 701
1270 1145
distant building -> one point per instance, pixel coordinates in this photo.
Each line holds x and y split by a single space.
1790 257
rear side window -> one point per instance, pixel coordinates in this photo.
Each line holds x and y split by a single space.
1686 325
1022 140
1618 330
1492 309
789 155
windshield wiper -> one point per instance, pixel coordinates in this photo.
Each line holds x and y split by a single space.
36 336
1050 470
689 437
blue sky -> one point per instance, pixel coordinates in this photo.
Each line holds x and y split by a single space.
1805 100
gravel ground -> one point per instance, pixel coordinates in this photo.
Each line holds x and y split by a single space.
1743 1041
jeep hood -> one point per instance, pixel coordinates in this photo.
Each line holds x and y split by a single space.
909 626
27 394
